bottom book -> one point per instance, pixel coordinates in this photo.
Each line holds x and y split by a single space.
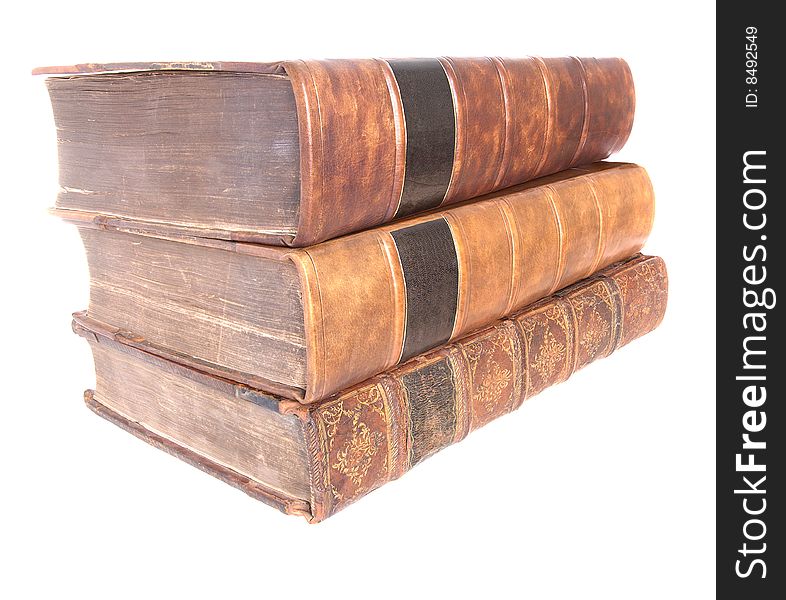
314 460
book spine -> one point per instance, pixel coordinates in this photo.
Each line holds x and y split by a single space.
378 298
374 433
408 135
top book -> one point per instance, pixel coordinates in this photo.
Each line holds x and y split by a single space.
297 152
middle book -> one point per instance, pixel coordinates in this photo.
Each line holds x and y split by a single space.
306 323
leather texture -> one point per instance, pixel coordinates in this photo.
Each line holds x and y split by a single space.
430 133
377 431
429 266
381 139
372 298
514 120
375 298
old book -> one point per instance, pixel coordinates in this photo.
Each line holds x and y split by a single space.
307 323
314 460
294 153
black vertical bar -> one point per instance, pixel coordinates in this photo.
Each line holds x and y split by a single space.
429 119
750 227
429 262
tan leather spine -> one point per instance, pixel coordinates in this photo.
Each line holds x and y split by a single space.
355 306
512 249
485 253
537 267
570 206
614 192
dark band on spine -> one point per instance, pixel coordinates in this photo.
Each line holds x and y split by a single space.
431 399
430 265
431 132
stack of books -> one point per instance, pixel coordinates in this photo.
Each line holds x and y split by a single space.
307 277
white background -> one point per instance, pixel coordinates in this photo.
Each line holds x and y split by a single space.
601 487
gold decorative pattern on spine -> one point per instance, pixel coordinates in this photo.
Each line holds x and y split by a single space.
354 431
551 353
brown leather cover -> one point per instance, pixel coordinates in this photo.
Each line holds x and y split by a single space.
376 298
511 249
514 119
375 432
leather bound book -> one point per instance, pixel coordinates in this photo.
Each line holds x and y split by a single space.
315 460
307 323
297 152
